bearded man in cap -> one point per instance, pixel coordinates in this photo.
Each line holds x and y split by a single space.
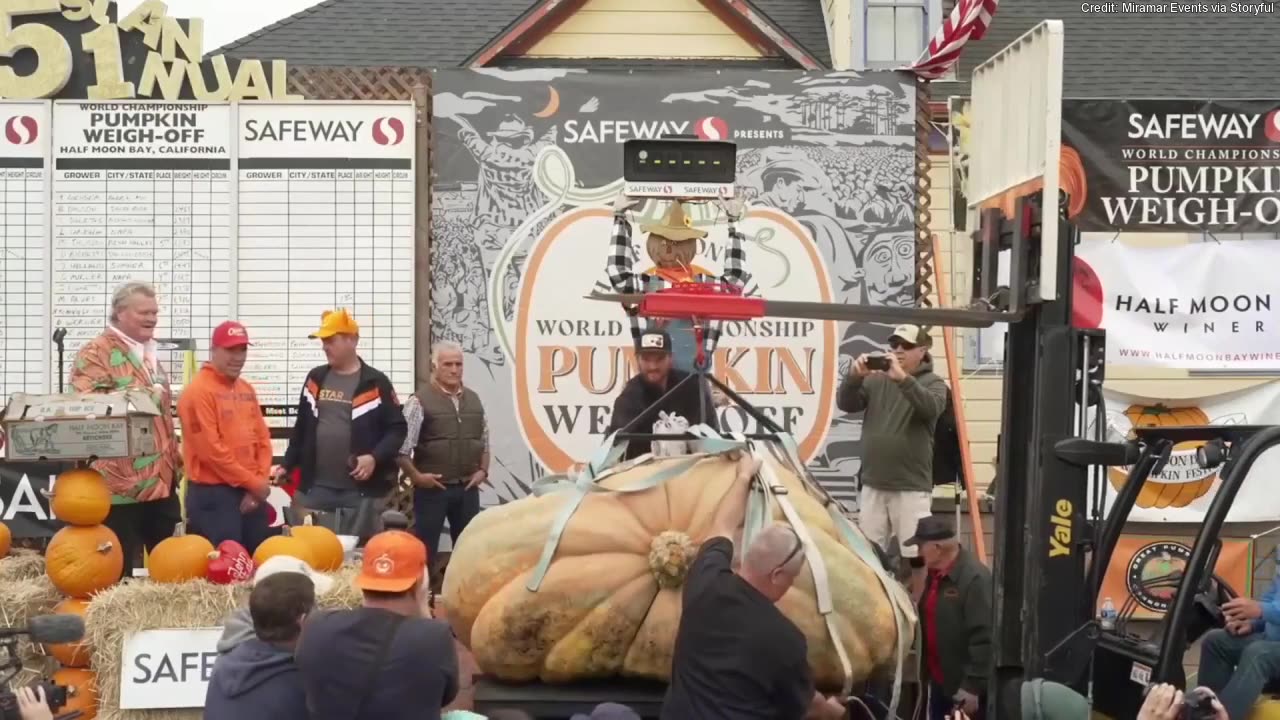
672 245
901 399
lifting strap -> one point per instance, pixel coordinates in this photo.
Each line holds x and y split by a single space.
817 566
903 608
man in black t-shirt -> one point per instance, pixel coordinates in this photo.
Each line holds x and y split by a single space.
737 657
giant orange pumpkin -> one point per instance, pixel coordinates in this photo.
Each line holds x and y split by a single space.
82 691
76 654
80 497
1156 493
179 558
284 545
6 540
610 601
80 561
325 546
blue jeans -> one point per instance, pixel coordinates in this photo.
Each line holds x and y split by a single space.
1237 668
213 511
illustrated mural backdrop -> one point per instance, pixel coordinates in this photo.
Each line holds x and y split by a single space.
527 165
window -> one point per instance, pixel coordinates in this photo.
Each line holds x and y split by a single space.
895 32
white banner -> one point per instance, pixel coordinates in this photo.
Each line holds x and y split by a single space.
167 668
1183 490
1201 306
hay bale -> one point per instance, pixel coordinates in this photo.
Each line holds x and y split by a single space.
21 565
25 591
137 605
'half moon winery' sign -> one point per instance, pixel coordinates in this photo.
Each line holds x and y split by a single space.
76 49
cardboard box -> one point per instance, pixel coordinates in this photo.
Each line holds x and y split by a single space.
78 426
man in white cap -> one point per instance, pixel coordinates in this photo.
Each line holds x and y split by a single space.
901 399
238 626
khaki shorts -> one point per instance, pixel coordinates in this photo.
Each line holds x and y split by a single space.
885 514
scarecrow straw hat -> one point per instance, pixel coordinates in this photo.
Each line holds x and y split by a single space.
676 226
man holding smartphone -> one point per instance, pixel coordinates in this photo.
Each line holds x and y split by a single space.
901 399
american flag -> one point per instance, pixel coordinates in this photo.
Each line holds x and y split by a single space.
969 20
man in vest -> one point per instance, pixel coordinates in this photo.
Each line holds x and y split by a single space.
446 453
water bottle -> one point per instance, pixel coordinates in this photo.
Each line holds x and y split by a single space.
1107 616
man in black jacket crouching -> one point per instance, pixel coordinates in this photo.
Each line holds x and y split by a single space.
657 376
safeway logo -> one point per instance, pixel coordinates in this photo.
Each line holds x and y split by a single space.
388 131
712 128
1271 126
21 130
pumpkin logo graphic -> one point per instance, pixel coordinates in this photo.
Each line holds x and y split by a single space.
1182 480
1153 574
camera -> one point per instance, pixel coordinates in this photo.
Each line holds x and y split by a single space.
878 361
1197 705
55 695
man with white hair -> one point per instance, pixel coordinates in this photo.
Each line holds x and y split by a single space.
446 451
736 655
144 506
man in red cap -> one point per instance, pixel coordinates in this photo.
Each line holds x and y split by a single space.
226 446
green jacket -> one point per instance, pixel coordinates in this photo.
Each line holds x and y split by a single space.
963 621
897 427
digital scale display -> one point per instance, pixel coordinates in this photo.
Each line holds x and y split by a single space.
679 168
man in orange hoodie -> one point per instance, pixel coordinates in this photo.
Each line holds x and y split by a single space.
226 446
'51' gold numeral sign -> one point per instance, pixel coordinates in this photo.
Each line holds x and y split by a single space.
164 69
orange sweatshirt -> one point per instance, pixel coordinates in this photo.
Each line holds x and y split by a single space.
225 440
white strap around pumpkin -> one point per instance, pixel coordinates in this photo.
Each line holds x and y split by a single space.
817 566
898 599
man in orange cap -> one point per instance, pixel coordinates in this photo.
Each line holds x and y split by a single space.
347 435
227 446
388 658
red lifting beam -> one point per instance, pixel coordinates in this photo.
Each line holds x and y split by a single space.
718 301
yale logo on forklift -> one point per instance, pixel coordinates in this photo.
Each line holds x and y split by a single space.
1060 529
1140 674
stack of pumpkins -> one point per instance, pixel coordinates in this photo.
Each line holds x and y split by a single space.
83 558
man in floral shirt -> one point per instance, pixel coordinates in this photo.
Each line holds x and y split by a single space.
145 507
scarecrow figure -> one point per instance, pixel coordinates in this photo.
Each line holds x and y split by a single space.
672 246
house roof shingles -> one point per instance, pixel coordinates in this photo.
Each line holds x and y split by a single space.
445 33
1122 55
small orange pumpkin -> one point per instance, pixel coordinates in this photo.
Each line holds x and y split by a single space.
71 655
80 561
179 558
285 544
82 691
80 497
325 546
6 540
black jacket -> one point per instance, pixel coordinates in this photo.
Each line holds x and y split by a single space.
638 395
963 621
378 431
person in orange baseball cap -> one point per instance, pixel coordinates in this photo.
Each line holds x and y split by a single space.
391 638
347 436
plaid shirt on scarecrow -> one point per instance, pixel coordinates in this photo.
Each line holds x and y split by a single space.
625 280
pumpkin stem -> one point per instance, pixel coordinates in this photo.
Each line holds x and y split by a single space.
180 530
309 520
670 555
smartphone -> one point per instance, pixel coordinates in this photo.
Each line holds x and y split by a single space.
878 362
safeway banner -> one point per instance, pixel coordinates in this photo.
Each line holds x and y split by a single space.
23 505
1183 490
1142 577
1172 165
1201 306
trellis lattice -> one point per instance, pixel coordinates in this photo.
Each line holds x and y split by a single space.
924 218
